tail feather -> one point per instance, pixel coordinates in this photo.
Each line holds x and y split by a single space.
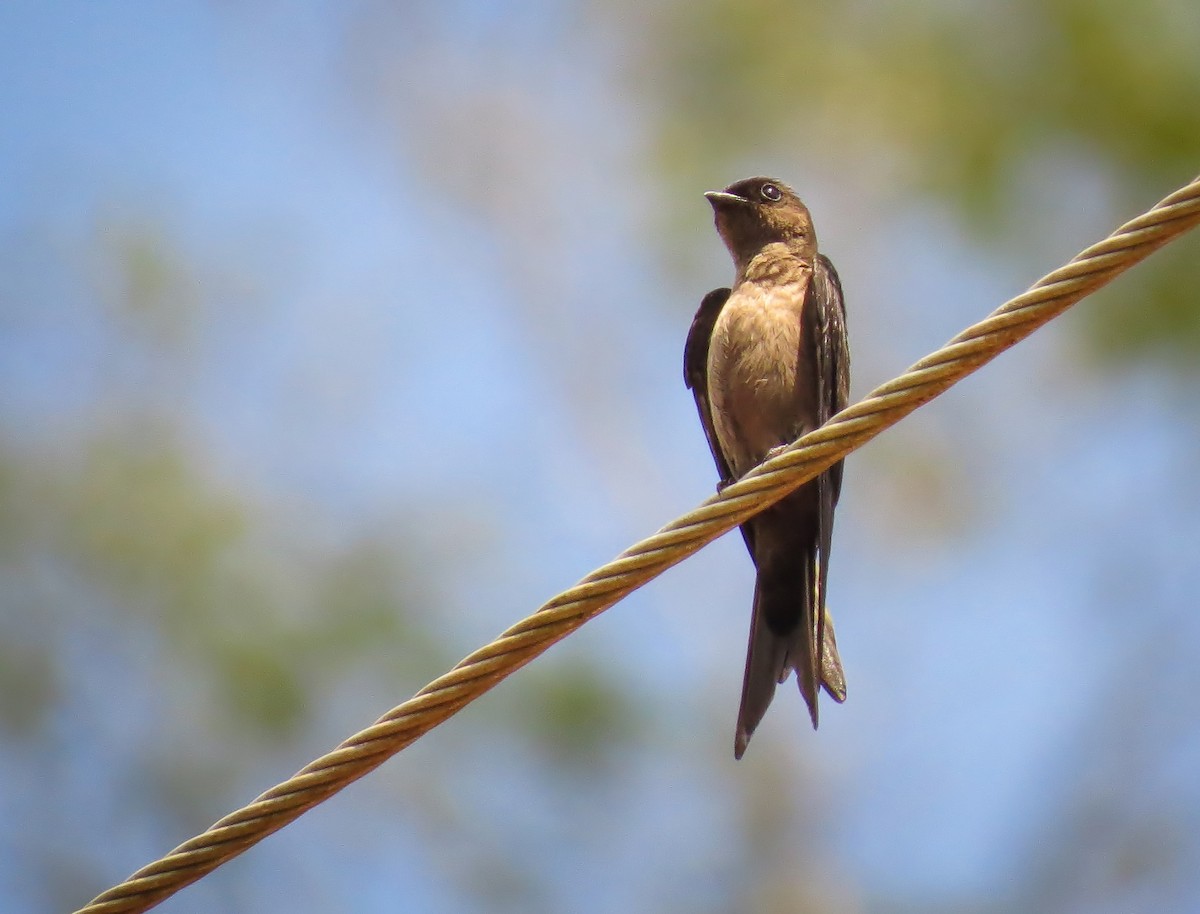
784 633
832 678
766 666
807 639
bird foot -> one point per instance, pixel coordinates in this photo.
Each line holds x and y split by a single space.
775 452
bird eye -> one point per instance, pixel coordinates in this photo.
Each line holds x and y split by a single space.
770 193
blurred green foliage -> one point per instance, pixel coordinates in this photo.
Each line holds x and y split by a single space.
261 617
957 103
577 713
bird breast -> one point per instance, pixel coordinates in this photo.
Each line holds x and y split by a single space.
760 386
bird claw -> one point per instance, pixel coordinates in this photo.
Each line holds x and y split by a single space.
775 452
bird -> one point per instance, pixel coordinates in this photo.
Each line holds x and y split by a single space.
767 361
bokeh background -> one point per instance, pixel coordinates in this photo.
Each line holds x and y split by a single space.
335 337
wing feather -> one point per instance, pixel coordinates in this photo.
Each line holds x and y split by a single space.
695 376
828 323
695 371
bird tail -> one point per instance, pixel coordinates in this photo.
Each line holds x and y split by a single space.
833 679
784 632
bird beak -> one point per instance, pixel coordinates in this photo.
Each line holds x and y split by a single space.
719 198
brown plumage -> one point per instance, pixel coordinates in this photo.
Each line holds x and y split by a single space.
767 362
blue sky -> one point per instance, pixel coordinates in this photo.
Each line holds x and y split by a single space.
999 557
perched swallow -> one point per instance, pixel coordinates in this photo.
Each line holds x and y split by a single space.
767 362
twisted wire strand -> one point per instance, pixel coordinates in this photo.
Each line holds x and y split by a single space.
563 614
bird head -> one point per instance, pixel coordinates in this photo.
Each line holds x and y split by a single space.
756 212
